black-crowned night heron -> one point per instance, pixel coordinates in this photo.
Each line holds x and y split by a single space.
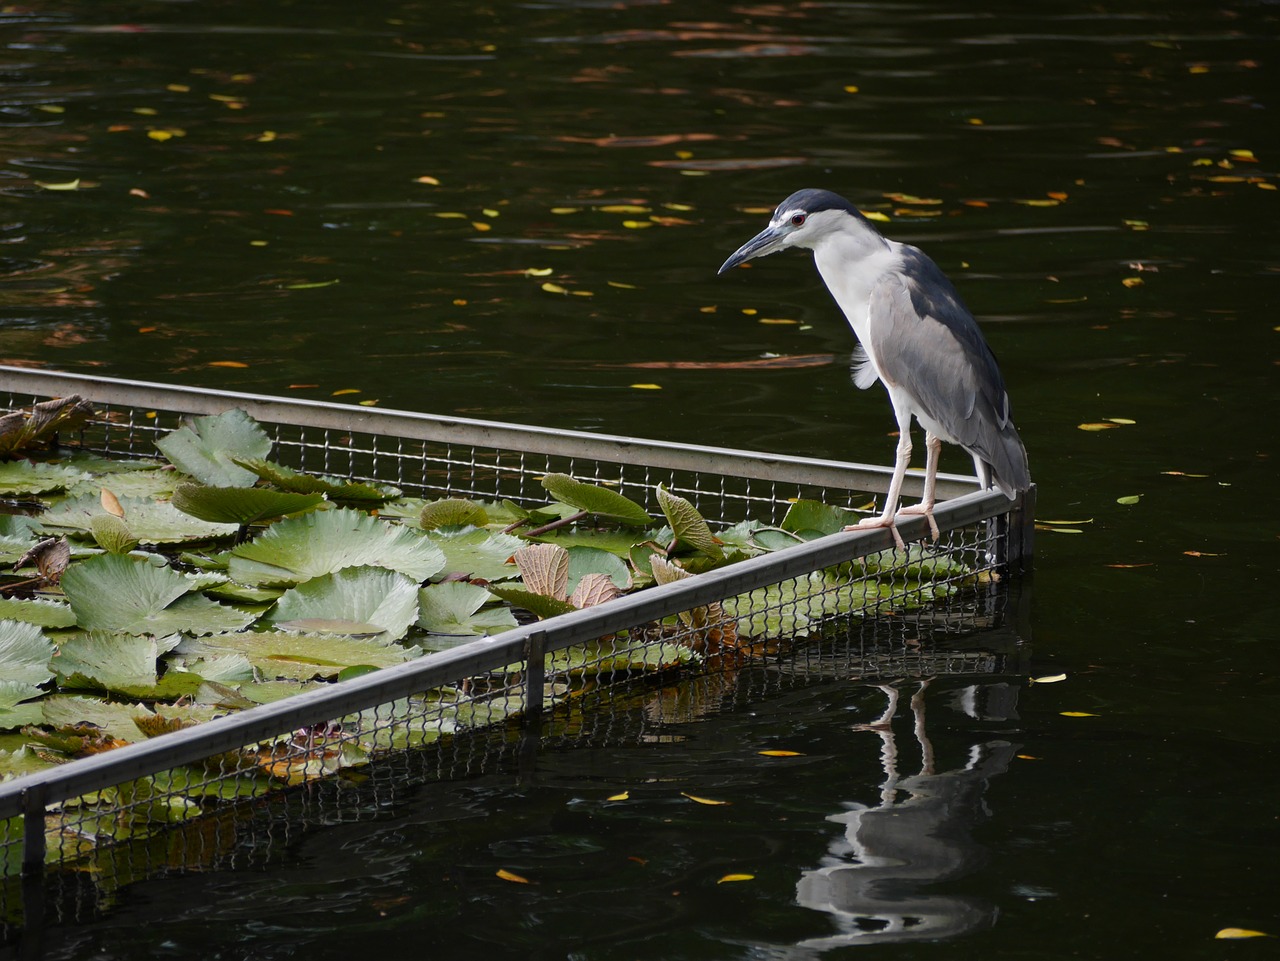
915 336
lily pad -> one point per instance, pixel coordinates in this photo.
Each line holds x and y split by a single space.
205 449
477 553
113 662
591 560
115 719
241 505
300 548
596 500
35 611
119 593
150 521
458 608
335 488
368 595
689 526
452 512
27 477
811 518
25 654
281 655
542 605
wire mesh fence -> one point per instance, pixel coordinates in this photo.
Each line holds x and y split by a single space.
847 605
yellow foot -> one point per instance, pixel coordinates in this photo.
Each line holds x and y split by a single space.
873 523
927 511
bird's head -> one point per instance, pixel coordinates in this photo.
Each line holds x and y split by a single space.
802 220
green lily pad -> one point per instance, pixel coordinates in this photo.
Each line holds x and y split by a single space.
596 500
112 534
241 505
452 512
150 521
591 560
205 449
25 654
142 482
113 718
300 548
368 595
806 516
281 655
688 525
111 592
36 611
457 608
27 477
542 605
119 663
477 553
335 488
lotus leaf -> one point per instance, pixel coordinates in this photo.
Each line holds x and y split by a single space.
35 611
154 522
24 663
27 477
368 595
596 500
477 553
114 719
300 548
281 655
118 593
240 505
688 526
810 518
457 608
335 488
452 512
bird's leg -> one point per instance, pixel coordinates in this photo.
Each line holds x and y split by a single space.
932 449
895 491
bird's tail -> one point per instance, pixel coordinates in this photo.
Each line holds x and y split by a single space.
1007 459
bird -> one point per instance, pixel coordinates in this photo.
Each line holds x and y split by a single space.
915 336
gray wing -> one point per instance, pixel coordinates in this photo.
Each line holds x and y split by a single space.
925 339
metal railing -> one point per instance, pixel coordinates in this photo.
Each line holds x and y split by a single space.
511 678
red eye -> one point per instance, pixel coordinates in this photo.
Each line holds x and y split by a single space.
797 220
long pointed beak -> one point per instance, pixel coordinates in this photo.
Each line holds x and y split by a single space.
765 242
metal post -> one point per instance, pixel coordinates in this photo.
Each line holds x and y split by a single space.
33 839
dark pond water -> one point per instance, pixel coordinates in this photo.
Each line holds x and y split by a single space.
305 198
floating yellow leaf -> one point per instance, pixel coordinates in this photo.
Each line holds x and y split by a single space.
489 212
553 288
1059 530
110 503
975 121
877 216
177 88
65 185
1129 499
1128 566
1088 520
257 243
776 320
683 208
703 800
736 877
619 284
1178 473
345 390
750 311
145 111
851 88
636 224
1125 421
1035 202
52 108
625 795
1242 154
646 386
165 133
1133 281
624 209
1100 425
1241 933
1076 714
707 310
1136 224
450 215
1200 554
368 403
311 285
582 293
267 136
227 363
1049 679
430 181
510 876
481 226
565 210
901 198
781 753
537 272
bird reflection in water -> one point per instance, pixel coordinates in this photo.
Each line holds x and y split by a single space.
873 881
